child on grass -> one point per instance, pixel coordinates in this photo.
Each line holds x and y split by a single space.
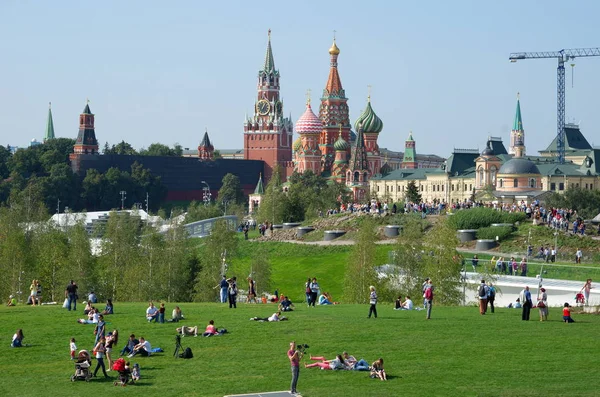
567 313
135 375
73 348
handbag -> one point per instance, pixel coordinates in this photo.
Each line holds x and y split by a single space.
541 304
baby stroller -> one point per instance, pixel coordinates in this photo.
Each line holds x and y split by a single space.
82 367
124 372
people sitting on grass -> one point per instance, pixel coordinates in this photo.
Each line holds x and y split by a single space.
336 363
151 313
130 345
567 313
212 330
187 331
88 308
407 304
143 348
324 301
274 317
93 317
17 339
11 301
108 309
351 364
176 316
92 297
286 305
398 304
377 370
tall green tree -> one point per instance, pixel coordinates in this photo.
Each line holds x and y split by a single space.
122 148
273 204
51 250
408 257
222 240
443 264
412 193
118 275
360 271
158 149
231 190
176 270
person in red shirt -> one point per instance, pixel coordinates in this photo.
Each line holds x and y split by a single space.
567 313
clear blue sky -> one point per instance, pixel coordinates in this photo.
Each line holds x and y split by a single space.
162 71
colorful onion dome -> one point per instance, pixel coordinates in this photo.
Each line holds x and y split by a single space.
341 145
309 123
369 121
297 144
334 50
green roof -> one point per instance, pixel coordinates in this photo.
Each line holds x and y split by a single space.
49 126
87 109
259 186
574 140
269 61
518 124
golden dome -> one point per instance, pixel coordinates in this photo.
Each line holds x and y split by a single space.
334 50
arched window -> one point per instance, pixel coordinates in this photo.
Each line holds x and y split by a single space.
481 181
356 176
515 182
501 183
532 183
493 175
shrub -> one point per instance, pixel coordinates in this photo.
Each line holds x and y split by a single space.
490 233
512 217
475 218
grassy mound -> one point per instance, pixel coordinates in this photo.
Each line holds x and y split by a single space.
479 217
422 358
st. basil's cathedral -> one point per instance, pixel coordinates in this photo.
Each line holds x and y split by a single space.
327 145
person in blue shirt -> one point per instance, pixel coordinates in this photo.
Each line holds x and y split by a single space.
224 285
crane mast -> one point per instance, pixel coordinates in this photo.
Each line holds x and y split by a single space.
562 56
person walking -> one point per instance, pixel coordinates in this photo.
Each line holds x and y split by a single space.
232 293
100 329
525 297
294 357
307 291
429 297
71 295
373 302
587 288
314 291
482 292
491 296
423 288
475 262
578 255
542 304
100 350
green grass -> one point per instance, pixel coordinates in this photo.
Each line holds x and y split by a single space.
456 353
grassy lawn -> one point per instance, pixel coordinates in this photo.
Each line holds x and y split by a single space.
456 353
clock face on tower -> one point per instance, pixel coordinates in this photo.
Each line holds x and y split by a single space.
263 107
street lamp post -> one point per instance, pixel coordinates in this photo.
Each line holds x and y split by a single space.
206 194
123 194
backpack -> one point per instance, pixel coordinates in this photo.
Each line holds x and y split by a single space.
119 365
187 353
482 293
428 294
492 292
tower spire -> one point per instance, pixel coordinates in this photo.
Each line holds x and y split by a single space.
517 134
50 124
269 61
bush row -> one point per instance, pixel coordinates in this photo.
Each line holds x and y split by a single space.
491 232
476 218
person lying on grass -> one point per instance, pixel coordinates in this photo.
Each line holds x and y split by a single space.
336 363
183 330
212 330
274 317
377 370
351 364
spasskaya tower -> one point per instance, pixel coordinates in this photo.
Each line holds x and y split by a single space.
268 134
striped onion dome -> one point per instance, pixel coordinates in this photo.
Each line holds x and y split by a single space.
309 123
297 144
369 120
341 145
